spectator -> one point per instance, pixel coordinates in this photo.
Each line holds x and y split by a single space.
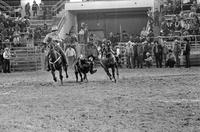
165 52
170 59
27 9
18 11
125 36
23 40
140 51
135 55
147 48
6 56
158 51
143 33
16 38
67 41
111 37
81 36
177 52
177 24
148 60
1 60
150 36
86 33
156 17
73 35
35 8
71 55
186 52
1 26
128 54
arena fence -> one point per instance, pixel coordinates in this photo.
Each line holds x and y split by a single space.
26 59
31 58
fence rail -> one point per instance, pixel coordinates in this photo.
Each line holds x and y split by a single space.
32 58
26 59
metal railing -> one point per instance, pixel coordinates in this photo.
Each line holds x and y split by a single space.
5 4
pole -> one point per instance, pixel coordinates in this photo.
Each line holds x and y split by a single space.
120 32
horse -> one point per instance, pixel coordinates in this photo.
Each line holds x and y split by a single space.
108 61
83 67
56 63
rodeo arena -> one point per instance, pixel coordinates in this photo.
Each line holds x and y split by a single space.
99 65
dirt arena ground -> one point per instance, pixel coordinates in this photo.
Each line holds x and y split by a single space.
143 100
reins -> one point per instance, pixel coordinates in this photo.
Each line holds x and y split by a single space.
54 63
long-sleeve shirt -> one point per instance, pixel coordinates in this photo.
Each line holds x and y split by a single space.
70 52
7 55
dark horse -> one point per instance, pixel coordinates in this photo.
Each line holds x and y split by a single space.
108 61
83 66
56 63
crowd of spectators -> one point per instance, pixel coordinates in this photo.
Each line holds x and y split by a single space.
179 19
144 53
15 31
41 31
39 10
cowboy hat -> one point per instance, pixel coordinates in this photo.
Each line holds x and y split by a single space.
147 54
6 48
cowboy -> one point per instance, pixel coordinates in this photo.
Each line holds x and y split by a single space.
52 39
177 52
